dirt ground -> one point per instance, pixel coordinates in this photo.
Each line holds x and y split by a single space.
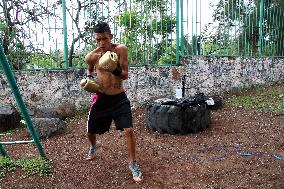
241 149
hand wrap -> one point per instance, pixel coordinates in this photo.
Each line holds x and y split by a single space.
117 71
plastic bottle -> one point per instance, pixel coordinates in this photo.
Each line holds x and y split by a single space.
178 92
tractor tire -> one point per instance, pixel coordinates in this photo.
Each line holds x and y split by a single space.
218 103
174 117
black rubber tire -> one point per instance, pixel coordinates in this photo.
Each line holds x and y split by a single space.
218 103
205 118
177 119
192 118
151 120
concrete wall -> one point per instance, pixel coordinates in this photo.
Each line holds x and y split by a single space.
211 75
219 74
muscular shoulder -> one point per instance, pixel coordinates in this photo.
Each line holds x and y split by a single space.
92 56
121 48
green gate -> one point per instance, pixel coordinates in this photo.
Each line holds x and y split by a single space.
52 34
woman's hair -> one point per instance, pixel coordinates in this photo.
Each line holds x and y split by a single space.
101 27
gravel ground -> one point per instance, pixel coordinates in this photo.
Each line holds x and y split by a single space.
241 149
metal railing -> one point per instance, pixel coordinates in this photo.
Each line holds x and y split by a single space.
236 28
51 34
22 107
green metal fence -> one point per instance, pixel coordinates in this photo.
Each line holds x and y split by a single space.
52 34
236 28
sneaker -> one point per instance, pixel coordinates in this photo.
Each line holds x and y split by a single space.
92 151
136 172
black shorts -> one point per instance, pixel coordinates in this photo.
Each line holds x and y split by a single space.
106 108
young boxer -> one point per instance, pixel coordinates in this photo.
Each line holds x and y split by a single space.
110 63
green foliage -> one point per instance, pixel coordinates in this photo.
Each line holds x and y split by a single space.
262 99
79 61
248 101
41 61
231 48
159 5
164 25
37 166
148 40
279 3
3 26
135 48
243 17
83 111
130 20
169 56
188 47
6 165
16 33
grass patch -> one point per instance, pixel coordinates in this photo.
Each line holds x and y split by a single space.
260 99
6 165
83 111
36 166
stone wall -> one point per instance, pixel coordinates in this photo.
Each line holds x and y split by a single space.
211 75
216 75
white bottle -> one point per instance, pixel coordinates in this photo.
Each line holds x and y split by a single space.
178 92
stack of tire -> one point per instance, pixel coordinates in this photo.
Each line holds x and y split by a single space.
187 115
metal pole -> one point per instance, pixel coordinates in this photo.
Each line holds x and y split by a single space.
260 39
3 151
65 34
20 102
177 32
182 28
